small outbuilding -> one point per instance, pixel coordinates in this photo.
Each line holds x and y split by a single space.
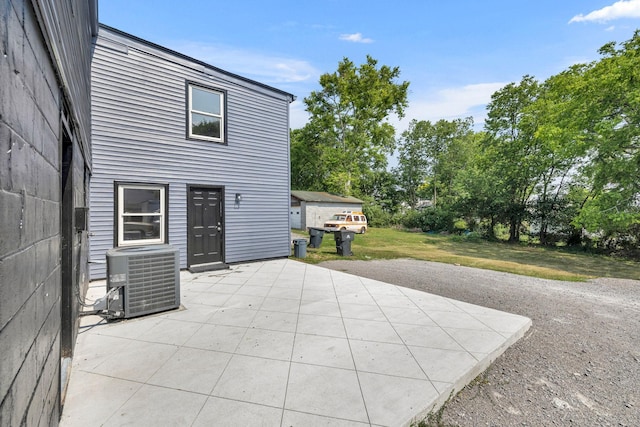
313 208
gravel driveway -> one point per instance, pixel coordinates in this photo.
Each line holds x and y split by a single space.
578 365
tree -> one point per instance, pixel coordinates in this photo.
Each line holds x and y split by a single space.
512 148
307 168
432 155
413 159
349 122
607 113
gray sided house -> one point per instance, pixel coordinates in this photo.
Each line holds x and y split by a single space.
45 165
186 154
313 208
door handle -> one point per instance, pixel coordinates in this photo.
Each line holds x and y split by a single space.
219 228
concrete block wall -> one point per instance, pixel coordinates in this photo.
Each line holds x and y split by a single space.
29 222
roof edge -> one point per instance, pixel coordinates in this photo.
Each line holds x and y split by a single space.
197 61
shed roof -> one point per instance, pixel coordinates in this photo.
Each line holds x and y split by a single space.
321 196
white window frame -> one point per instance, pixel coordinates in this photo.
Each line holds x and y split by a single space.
220 116
121 213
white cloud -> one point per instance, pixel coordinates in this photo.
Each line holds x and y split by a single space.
256 65
452 103
298 116
447 104
355 38
620 9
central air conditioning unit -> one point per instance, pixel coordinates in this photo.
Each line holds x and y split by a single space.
141 280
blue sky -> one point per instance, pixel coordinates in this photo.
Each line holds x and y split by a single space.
455 53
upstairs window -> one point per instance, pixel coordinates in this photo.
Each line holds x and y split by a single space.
206 115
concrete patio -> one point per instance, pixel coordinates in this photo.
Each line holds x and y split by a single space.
282 343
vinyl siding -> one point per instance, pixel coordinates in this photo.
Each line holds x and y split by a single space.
139 135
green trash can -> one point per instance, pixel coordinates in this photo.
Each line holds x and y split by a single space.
315 237
343 240
300 248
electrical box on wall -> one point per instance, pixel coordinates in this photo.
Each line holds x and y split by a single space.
82 218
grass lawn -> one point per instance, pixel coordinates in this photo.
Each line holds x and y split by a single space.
548 263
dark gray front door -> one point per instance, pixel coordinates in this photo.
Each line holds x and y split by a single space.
204 224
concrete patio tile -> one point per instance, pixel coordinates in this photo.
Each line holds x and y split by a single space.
370 330
261 279
217 338
268 344
292 418
345 279
446 319
325 294
321 325
231 413
158 406
289 283
275 321
505 324
375 287
282 305
288 293
191 369
217 299
362 311
233 317
407 315
356 298
255 380
190 313
112 393
169 331
391 400
400 301
325 308
343 288
324 351
429 302
336 392
251 302
232 280
444 365
93 349
119 365
131 328
260 291
427 336
387 359
475 341
223 288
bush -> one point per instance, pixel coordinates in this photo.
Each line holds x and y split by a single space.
436 219
376 215
411 219
460 226
430 219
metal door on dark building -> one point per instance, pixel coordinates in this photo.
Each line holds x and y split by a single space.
204 226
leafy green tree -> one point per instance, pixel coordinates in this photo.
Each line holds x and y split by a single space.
349 124
560 150
607 113
512 149
432 155
307 169
414 162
